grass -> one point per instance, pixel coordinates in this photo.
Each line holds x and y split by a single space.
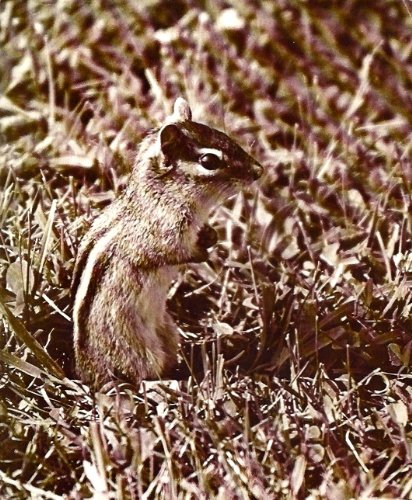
300 323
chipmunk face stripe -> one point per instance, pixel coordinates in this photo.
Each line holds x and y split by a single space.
90 278
213 151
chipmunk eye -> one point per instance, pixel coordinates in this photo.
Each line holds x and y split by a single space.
211 161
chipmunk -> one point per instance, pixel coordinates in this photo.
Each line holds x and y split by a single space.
133 249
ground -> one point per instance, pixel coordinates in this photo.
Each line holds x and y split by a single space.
300 321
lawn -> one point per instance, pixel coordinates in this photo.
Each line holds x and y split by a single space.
294 377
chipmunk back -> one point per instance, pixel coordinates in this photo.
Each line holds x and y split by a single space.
133 250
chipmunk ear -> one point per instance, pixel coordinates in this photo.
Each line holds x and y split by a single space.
170 138
181 111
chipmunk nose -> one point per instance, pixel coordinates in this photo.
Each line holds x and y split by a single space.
257 170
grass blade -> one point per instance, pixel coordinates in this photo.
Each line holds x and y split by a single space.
28 340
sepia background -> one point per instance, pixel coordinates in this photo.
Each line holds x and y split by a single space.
300 323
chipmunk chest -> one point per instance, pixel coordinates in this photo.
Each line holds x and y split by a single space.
150 298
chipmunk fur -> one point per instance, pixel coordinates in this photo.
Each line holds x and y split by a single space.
132 251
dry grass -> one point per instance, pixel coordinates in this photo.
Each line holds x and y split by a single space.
300 325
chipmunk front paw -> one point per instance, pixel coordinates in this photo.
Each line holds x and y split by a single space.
206 238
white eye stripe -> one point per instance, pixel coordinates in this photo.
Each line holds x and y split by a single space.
212 151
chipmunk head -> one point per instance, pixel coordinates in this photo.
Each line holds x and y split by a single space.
205 154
